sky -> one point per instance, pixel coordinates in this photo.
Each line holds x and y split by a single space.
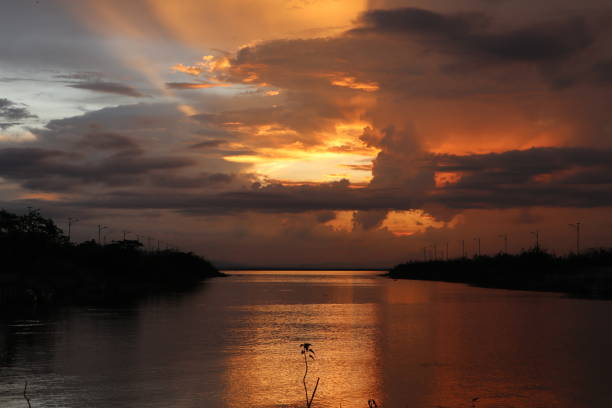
327 133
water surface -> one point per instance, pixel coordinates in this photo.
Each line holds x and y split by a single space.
234 342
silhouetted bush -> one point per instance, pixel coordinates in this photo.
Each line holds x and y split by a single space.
40 265
588 274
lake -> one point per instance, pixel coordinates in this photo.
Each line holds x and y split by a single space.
234 342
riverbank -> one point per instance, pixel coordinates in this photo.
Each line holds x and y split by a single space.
41 267
587 275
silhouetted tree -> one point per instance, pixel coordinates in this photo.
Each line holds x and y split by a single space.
41 265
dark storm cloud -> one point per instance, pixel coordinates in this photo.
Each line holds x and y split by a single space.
107 141
271 198
578 177
603 71
109 87
207 144
527 163
472 34
204 180
12 113
369 219
54 170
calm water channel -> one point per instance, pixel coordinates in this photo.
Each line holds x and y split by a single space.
235 343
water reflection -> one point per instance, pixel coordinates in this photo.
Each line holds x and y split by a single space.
335 313
268 367
235 343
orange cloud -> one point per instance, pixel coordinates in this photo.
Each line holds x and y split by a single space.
351 82
406 223
41 196
445 178
187 69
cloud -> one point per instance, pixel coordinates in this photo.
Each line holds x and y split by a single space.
12 113
193 85
54 170
107 141
565 177
207 144
554 177
325 216
369 219
472 34
451 102
603 71
86 76
6 125
404 177
109 87
201 181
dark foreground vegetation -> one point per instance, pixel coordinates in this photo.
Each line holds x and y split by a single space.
588 274
38 265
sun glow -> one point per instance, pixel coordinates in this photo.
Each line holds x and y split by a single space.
338 155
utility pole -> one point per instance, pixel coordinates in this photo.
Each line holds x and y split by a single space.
536 233
576 226
435 254
70 222
125 233
463 248
505 237
447 250
477 241
100 228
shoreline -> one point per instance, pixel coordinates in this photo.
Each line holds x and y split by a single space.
583 276
42 267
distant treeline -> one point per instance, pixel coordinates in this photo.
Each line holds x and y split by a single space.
39 265
588 274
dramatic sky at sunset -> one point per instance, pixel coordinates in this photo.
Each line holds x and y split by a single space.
311 132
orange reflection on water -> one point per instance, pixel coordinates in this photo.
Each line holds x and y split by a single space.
267 369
